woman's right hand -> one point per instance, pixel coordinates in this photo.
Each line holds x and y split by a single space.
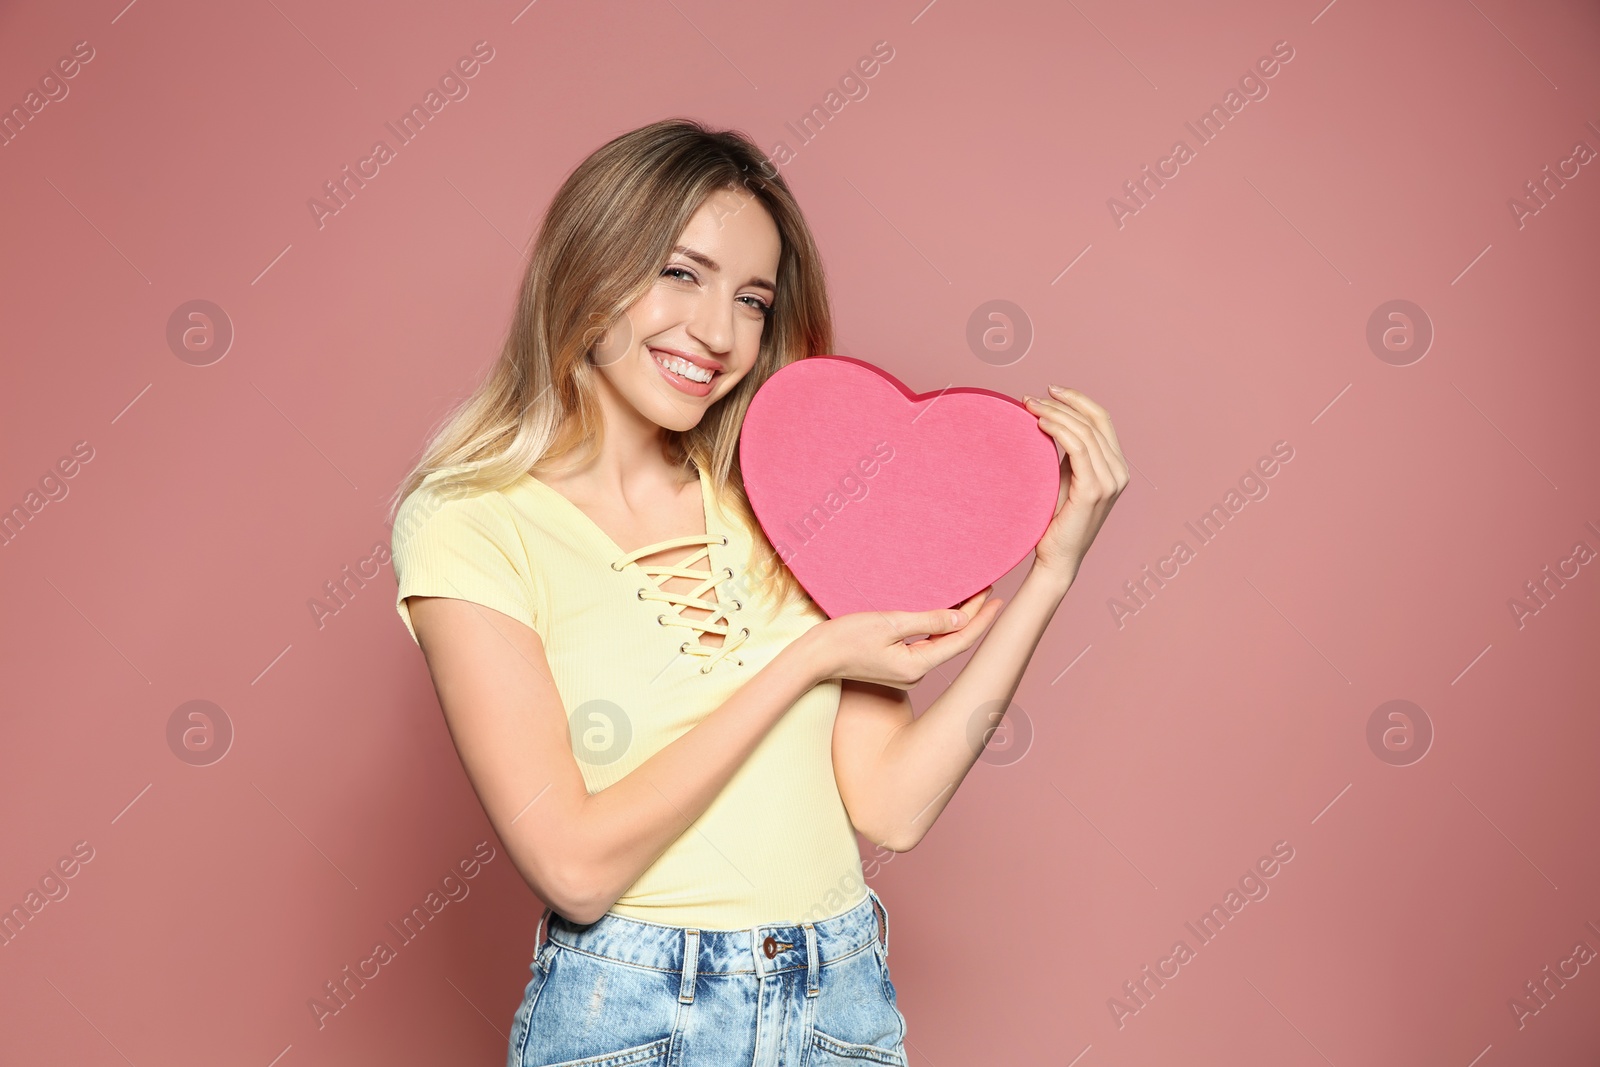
870 646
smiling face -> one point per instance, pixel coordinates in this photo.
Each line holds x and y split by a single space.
703 315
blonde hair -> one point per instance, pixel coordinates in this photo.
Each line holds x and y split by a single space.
604 238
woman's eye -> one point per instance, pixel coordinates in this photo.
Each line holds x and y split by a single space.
686 275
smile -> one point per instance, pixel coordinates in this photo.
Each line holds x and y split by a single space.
683 368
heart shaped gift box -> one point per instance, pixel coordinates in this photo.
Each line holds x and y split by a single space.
882 499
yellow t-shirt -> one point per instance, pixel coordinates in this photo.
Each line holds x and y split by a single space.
776 845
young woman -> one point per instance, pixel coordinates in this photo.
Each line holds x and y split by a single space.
675 745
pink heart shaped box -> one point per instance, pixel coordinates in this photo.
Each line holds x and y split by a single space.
879 498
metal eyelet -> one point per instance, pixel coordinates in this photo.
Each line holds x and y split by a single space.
615 567
745 630
724 538
706 669
661 620
641 594
683 649
728 571
738 605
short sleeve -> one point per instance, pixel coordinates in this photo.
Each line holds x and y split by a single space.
465 547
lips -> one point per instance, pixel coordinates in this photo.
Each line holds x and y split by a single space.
680 381
684 379
699 361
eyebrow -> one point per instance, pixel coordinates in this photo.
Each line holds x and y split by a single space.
710 264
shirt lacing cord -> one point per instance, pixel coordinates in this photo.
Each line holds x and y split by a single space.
716 622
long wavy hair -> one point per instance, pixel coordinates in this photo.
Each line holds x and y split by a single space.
604 238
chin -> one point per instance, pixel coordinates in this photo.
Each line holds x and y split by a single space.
678 425
682 416
669 417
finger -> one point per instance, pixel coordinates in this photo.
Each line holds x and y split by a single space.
908 623
1056 411
933 623
939 648
1104 464
1098 414
1089 455
1105 437
1100 418
1041 405
975 601
1077 439
976 622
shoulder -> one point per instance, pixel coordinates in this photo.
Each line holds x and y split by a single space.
439 511
462 543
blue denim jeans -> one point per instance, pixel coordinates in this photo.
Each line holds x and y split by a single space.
621 992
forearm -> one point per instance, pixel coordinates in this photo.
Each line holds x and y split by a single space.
620 831
926 759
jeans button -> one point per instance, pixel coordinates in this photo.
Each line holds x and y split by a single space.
770 946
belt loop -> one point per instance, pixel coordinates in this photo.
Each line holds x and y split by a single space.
883 912
538 931
812 964
691 965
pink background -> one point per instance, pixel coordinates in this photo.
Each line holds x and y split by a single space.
1167 753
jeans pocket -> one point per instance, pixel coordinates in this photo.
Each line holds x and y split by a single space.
646 1055
825 1050
596 1012
856 1020
540 968
884 981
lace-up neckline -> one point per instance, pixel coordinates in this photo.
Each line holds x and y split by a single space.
718 621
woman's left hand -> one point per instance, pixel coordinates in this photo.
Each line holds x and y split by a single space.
1093 475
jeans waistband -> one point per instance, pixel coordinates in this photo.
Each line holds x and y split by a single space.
765 949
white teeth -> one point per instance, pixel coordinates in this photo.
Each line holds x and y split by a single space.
684 368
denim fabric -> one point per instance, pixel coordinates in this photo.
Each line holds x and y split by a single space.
618 993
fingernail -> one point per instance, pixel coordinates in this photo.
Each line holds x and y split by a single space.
1056 389
957 618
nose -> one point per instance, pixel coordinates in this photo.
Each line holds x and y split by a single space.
712 323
